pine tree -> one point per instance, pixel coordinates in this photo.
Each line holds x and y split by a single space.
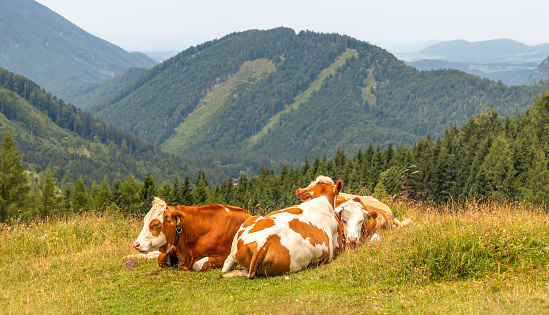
116 197
499 170
102 196
129 195
50 202
186 197
79 196
201 191
14 182
536 188
147 192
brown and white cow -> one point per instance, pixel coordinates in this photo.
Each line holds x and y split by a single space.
290 239
202 236
206 232
358 225
385 218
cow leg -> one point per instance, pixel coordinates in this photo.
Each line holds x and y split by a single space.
229 264
235 273
208 263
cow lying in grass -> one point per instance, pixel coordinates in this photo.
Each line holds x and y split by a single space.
290 239
385 218
358 225
204 234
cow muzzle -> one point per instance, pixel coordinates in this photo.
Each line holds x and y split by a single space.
137 246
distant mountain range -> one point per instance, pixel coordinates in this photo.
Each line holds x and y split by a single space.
241 102
276 97
500 60
64 59
541 73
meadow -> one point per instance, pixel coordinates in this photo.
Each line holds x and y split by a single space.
472 259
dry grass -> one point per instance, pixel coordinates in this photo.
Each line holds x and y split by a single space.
478 259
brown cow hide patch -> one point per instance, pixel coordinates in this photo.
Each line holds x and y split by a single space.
155 227
273 258
316 235
262 224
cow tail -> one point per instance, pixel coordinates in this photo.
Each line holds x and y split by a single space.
256 261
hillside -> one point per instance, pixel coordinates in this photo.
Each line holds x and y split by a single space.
276 97
502 60
482 52
98 92
52 134
58 55
541 72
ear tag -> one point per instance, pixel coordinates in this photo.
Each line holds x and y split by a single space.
178 220
371 220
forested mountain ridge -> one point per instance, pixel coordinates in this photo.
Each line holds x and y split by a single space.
541 73
288 110
51 134
61 57
502 60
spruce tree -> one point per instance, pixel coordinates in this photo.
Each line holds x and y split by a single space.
14 182
147 192
50 202
129 195
201 191
79 196
536 188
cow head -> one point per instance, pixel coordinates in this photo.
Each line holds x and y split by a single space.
356 221
321 186
151 237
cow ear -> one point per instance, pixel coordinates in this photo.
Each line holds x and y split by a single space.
338 187
303 194
174 218
369 216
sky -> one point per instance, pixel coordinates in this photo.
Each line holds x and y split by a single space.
397 25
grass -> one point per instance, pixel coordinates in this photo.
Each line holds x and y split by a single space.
491 259
303 97
214 100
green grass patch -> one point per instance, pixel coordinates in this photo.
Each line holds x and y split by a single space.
477 260
303 97
214 100
370 83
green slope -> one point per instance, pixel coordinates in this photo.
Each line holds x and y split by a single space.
213 101
52 134
43 46
325 92
301 98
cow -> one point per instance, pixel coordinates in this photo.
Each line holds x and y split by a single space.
358 225
202 236
385 218
206 233
290 239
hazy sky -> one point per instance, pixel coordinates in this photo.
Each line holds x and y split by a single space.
160 25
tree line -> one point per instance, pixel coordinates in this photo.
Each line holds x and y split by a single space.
488 158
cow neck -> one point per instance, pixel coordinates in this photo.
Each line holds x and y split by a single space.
182 247
178 231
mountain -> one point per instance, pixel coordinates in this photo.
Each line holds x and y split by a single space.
52 134
276 97
499 60
56 54
482 52
541 72
98 92
509 74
